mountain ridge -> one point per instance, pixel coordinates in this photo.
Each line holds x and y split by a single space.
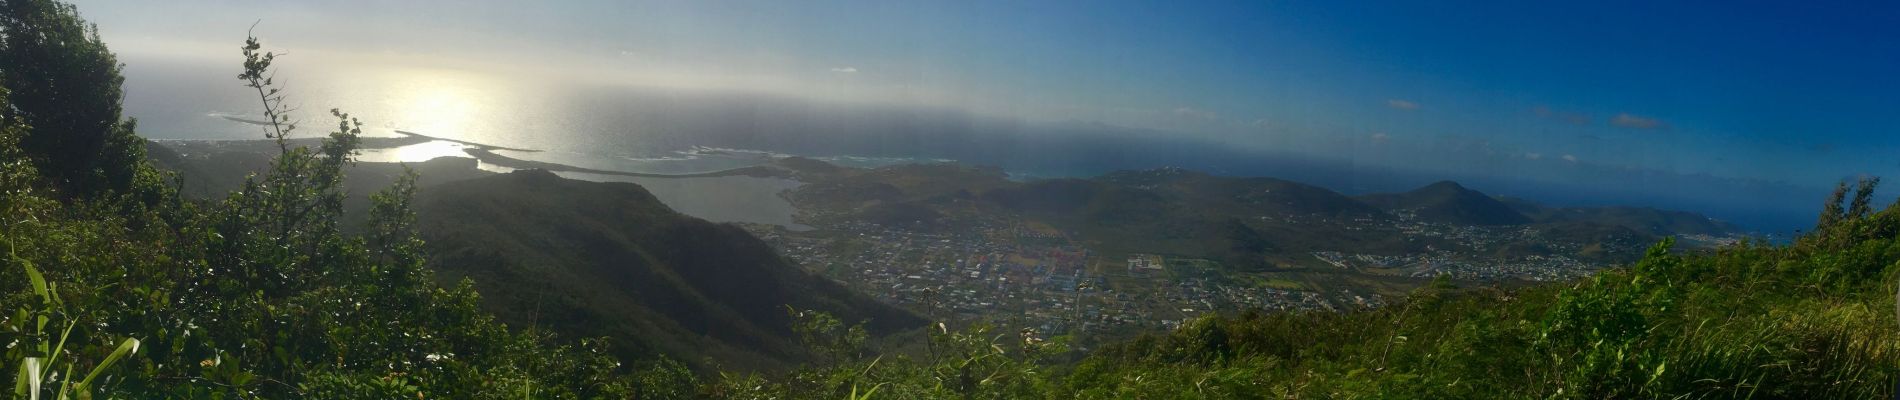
1449 202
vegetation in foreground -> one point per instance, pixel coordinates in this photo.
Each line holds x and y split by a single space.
115 286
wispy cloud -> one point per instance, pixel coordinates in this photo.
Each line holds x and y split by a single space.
1570 158
1569 117
1534 156
845 70
1633 121
1380 138
1195 113
1401 104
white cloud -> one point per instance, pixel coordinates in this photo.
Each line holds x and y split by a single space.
1401 104
1534 156
1570 158
1380 138
845 70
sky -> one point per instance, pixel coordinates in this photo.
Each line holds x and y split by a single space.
1780 92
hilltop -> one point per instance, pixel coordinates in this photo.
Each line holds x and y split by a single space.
1450 203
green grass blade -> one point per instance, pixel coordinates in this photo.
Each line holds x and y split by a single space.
39 281
66 386
53 357
129 346
29 383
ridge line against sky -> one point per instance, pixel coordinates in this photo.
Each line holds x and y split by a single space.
1780 93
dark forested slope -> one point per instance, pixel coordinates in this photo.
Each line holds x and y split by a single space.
588 258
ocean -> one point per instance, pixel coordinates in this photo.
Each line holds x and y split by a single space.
671 131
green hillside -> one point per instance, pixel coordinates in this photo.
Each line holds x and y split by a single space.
1641 219
607 259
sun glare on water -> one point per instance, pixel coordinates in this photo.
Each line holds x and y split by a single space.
439 102
414 153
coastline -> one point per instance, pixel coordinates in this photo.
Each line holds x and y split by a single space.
462 142
487 156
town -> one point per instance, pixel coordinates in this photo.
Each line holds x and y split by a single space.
1022 278
1020 274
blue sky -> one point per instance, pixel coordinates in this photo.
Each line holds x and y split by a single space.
1780 92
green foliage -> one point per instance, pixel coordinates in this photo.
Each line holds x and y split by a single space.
359 386
44 349
1592 330
972 363
1748 320
665 379
260 295
827 335
66 85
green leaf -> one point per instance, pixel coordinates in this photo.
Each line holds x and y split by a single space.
28 385
68 384
1659 372
129 346
39 281
867 393
54 355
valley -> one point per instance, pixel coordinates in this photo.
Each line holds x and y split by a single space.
1099 259
1116 256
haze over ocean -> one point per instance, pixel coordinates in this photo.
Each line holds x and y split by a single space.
654 129
1743 112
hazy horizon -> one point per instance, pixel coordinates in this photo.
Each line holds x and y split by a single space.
1709 111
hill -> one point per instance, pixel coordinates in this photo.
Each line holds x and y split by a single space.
1256 195
584 259
607 259
1450 203
1641 219
1245 223
1175 211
